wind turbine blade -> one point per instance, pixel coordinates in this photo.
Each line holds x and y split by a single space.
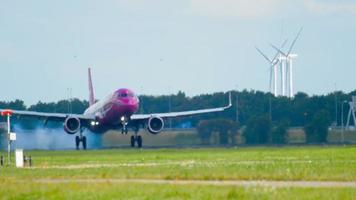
276 55
295 39
284 43
279 50
263 54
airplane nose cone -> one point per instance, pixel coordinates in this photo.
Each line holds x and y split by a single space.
128 102
127 105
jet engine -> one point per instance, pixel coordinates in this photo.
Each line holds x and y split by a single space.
155 125
71 125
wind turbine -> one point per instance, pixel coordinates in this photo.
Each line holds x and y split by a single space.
289 62
273 69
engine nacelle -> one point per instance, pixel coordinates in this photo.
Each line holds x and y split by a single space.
155 125
72 125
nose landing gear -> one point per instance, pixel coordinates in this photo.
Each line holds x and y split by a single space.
124 130
124 122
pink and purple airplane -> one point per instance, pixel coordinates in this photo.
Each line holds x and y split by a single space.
116 111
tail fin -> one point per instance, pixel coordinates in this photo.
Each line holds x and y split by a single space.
91 91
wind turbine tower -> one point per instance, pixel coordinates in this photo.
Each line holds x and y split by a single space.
283 74
287 67
290 70
273 82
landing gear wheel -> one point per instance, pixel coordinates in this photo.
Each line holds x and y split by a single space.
132 141
124 130
139 141
77 141
84 142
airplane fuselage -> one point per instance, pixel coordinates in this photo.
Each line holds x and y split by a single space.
113 109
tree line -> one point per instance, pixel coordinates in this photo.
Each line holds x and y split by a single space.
257 111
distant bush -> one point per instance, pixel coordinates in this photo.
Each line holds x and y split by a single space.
317 130
258 130
227 129
204 131
279 133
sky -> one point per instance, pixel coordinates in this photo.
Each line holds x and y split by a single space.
160 47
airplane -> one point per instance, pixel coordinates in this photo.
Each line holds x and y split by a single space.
116 111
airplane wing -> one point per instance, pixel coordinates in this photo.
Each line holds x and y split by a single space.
181 114
55 116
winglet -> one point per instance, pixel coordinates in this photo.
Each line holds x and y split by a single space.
230 102
91 91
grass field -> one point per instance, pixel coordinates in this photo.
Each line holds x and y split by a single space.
107 173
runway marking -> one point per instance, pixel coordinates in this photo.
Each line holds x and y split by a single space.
242 183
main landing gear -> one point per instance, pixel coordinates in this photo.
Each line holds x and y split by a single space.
82 139
136 139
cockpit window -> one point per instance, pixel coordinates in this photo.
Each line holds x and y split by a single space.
123 95
126 95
